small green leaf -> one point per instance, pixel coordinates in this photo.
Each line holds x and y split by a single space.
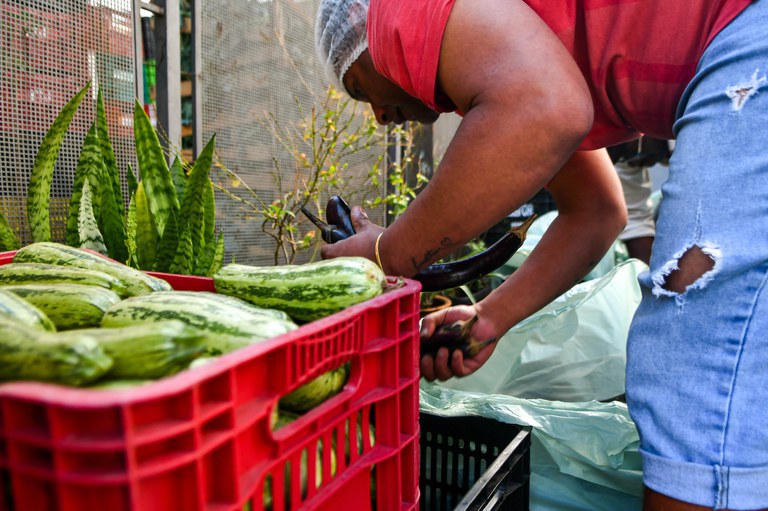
88 231
39 190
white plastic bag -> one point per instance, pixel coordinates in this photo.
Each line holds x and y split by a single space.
574 349
583 455
617 253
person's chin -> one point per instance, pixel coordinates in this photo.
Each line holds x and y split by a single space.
428 118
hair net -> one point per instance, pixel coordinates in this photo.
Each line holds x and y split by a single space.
340 36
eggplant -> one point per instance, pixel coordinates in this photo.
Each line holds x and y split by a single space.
330 233
442 276
338 213
454 336
438 276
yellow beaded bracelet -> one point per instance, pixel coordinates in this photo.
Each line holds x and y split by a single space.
376 250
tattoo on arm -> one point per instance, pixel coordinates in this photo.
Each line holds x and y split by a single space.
429 254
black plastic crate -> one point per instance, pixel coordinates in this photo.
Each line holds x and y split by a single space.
473 463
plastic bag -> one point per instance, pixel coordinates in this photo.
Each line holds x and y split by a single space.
583 455
574 349
617 253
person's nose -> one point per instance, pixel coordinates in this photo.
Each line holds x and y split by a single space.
381 114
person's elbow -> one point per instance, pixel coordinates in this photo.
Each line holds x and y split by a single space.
569 114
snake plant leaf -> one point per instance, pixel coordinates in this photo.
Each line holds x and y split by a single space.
179 178
8 240
212 258
130 177
218 257
192 207
153 170
130 233
89 168
209 204
39 190
183 260
112 218
146 233
166 250
112 226
88 230
108 154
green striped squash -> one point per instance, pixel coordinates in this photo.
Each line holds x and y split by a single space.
29 354
306 292
41 273
135 281
69 306
146 351
227 327
14 308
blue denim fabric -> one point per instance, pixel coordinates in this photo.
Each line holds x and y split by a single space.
697 362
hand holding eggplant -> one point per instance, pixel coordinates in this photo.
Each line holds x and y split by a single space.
455 342
360 243
344 223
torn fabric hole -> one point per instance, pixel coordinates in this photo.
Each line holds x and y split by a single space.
660 277
741 92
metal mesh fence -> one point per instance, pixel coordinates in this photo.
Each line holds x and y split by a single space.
49 50
259 61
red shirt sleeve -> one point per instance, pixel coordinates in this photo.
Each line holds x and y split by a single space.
407 53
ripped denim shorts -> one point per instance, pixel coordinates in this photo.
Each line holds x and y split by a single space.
697 362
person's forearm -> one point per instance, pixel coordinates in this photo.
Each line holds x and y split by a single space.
492 167
568 250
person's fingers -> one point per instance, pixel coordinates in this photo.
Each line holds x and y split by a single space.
442 368
458 367
359 218
427 366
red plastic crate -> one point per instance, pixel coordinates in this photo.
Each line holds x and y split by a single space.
201 440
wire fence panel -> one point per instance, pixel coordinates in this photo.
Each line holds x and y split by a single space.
259 62
49 50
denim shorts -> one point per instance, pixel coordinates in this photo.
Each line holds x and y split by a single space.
697 362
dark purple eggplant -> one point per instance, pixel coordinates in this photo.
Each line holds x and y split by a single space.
438 276
329 233
442 276
338 213
454 336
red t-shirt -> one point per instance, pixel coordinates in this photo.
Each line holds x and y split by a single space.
637 55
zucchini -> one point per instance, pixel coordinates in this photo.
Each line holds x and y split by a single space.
29 354
146 351
305 292
69 306
41 273
14 308
226 327
314 393
235 302
135 281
